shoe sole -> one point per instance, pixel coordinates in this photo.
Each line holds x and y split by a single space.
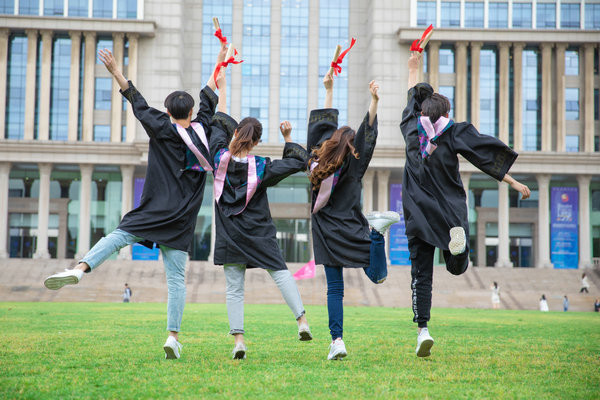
457 241
56 283
304 336
239 355
338 356
170 353
425 349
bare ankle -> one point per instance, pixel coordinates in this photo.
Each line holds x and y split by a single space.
82 266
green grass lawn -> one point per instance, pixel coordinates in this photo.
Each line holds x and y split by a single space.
114 350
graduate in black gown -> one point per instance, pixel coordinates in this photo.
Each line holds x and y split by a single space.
178 160
245 232
434 199
341 235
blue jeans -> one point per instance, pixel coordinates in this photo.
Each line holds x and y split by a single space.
174 261
376 271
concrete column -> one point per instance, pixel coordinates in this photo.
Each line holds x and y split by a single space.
32 45
544 221
85 197
237 26
116 104
465 177
588 98
274 72
213 235
3 73
503 95
518 96
131 122
383 198
4 179
313 56
41 250
503 224
367 182
433 54
585 232
45 78
74 85
475 61
560 98
547 96
126 202
89 66
460 93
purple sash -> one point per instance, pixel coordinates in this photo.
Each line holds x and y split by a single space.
324 190
222 173
188 142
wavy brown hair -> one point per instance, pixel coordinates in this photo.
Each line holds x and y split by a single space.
249 132
331 155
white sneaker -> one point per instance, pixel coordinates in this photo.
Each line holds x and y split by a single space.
424 343
239 351
458 240
304 332
172 348
381 221
337 350
69 277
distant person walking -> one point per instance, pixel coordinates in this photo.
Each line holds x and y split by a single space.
565 303
495 296
585 284
544 304
597 305
127 294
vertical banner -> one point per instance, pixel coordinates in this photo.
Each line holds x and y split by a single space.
398 241
139 252
564 233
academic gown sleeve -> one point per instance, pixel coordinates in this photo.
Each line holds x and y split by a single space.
156 123
294 159
364 143
416 96
485 152
222 126
321 125
206 108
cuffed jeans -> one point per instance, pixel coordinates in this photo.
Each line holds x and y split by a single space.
235 276
376 271
174 261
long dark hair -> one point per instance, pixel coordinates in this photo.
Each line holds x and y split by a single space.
249 132
331 155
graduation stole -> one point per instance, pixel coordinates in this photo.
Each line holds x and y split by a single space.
254 164
428 133
202 164
326 188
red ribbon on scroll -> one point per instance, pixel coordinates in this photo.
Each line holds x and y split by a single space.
219 34
231 60
419 44
336 64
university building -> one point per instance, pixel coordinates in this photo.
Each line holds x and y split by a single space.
73 156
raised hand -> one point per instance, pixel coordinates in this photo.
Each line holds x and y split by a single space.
328 81
414 61
222 52
286 130
523 189
373 88
109 61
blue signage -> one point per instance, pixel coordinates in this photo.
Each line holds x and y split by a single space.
399 254
564 234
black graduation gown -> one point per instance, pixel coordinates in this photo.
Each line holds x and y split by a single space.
433 196
172 195
250 237
341 235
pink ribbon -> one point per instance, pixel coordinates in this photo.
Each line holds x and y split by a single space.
188 142
432 130
222 173
324 191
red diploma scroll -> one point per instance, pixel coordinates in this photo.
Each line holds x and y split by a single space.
229 59
419 44
218 32
336 68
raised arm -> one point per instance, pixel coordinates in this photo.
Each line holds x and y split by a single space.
328 83
373 88
220 58
111 65
295 158
414 63
518 186
222 81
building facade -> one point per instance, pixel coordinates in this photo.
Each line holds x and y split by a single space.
73 156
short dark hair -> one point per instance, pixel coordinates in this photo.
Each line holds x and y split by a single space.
435 106
179 104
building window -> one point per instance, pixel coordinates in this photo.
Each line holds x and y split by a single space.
54 8
333 30
531 100
78 8
446 60
103 94
571 62
474 15
293 92
425 13
572 104
595 200
596 104
102 9
123 133
572 143
448 91
498 15
59 90
127 9
101 133
521 15
29 7
15 87
569 15
488 92
450 14
255 70
592 16
7 7
546 16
